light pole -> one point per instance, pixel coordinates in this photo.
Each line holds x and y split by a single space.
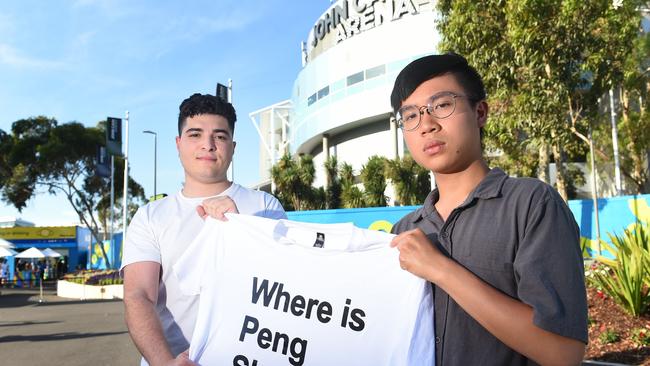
155 158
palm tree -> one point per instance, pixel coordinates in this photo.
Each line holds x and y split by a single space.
351 195
293 181
333 192
412 182
374 181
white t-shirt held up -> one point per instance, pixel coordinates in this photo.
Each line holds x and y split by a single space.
279 292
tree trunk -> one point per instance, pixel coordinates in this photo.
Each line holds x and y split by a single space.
560 176
88 209
632 147
542 167
104 223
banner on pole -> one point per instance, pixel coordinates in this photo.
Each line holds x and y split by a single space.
103 162
222 92
114 135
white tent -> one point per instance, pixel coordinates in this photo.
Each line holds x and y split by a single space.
34 253
51 253
6 252
31 253
6 244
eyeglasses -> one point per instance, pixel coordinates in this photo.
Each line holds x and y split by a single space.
440 106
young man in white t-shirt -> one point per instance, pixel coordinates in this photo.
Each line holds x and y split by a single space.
159 317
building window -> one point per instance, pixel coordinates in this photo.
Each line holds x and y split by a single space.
375 71
323 92
311 100
355 78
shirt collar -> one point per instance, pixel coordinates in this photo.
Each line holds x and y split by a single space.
490 187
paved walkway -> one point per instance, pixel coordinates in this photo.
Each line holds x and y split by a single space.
68 332
62 331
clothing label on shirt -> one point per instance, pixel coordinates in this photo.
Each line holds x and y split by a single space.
320 240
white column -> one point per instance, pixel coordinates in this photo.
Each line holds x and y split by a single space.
393 137
617 163
273 147
231 169
326 155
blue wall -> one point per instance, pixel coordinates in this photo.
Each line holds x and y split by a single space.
615 215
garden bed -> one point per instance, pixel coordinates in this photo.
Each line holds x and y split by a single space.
611 338
73 290
87 285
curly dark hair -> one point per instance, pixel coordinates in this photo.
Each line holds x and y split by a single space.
198 104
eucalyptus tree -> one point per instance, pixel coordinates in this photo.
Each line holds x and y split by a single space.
634 129
545 63
42 156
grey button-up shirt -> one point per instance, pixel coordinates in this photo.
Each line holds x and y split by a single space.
518 235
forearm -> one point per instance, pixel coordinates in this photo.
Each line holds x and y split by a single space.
146 331
508 319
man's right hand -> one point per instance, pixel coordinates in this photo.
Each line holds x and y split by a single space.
140 296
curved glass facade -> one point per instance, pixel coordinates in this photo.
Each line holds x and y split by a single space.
347 82
341 98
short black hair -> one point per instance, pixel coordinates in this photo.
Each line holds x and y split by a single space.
198 104
428 67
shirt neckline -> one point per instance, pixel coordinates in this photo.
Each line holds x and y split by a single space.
489 187
227 192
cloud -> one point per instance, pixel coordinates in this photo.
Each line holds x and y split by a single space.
192 28
13 57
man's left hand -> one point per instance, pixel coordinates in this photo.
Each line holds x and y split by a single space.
217 207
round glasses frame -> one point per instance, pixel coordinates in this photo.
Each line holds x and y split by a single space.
430 109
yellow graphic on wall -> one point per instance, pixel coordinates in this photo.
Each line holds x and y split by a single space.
53 232
97 257
381 225
640 209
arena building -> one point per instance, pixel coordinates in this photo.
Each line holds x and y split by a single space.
340 103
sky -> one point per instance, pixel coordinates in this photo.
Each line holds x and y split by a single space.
85 60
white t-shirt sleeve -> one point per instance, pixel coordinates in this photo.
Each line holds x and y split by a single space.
198 258
273 208
141 244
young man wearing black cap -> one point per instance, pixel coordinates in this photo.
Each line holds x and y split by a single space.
502 253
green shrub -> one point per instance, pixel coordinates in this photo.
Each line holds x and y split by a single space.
101 278
584 247
626 278
641 336
590 321
609 336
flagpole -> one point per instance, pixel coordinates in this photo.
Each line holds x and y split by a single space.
232 161
126 177
112 205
